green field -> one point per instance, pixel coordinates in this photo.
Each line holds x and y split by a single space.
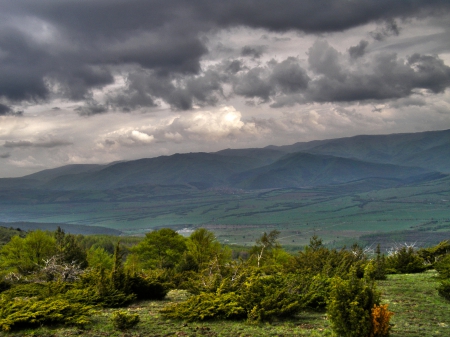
337 213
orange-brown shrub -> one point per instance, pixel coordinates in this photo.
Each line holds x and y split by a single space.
380 316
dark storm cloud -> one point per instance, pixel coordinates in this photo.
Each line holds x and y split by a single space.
285 77
386 77
181 93
91 108
5 155
90 40
390 28
5 110
42 144
359 50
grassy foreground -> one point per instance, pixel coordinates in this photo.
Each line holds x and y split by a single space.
419 311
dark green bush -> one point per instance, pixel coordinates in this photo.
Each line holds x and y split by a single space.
444 288
4 285
29 312
147 288
122 320
207 306
434 254
27 290
443 267
350 304
108 299
254 296
405 261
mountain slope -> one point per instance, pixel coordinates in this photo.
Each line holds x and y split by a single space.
202 170
408 149
305 169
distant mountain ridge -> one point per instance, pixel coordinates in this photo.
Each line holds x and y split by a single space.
429 150
407 156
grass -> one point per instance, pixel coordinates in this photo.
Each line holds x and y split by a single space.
419 311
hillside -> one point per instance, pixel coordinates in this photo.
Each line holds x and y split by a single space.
306 170
430 150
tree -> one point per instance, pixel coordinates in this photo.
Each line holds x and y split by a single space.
69 248
161 249
99 258
28 254
203 247
265 244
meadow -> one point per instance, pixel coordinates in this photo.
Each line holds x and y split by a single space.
418 312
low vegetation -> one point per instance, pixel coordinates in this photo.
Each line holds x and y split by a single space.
167 284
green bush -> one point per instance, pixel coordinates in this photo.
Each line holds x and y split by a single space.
207 306
256 297
147 288
27 290
443 267
4 285
29 312
444 288
405 261
91 296
350 304
122 320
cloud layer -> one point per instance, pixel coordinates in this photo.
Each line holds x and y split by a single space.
86 81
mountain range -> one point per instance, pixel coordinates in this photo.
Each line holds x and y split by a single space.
403 157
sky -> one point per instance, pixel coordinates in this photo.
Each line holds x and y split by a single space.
97 81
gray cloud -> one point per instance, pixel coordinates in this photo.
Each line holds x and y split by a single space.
5 155
5 110
386 77
90 41
253 51
359 50
39 144
91 108
390 28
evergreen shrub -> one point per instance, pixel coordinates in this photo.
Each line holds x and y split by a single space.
405 261
122 320
350 305
147 288
29 312
256 297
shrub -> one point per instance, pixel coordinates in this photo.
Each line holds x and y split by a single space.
122 320
207 306
444 288
27 290
350 305
380 320
443 267
147 288
405 261
26 312
256 297
4 285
